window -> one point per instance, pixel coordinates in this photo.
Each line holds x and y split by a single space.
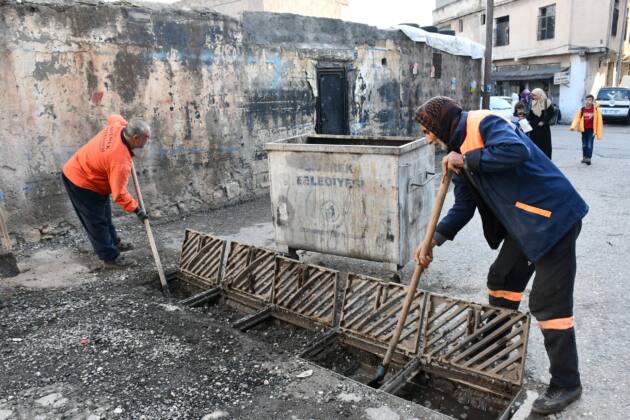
546 22
615 19
482 19
460 25
502 31
437 65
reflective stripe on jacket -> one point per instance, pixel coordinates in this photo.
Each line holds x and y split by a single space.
518 186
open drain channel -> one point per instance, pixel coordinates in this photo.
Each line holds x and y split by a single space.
459 358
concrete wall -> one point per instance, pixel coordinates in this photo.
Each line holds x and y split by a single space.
214 90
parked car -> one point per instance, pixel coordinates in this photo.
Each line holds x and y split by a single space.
499 105
614 103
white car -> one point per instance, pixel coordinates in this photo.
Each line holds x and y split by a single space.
614 103
499 105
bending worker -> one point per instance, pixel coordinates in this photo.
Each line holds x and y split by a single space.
527 204
100 168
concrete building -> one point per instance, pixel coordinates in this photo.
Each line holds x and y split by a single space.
567 47
214 89
234 8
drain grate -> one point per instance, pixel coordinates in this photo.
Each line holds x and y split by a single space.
202 258
483 340
306 290
371 309
249 270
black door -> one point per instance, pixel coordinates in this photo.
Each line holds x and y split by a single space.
332 111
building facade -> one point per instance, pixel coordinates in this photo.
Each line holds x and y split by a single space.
234 8
567 47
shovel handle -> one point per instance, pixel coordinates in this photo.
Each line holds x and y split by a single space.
147 227
413 284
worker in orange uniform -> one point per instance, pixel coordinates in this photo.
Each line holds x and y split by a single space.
530 209
100 168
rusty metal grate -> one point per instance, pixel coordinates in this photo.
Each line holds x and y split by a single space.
485 340
202 258
371 309
305 289
250 270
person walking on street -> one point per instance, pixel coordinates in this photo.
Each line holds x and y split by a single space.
588 120
526 100
540 114
530 209
100 168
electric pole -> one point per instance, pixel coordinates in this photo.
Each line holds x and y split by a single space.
487 68
622 38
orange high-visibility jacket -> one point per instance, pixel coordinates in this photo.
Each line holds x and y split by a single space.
103 165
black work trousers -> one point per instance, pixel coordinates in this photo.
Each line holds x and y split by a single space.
95 213
550 300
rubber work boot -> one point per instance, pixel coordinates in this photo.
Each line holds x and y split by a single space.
587 161
119 263
556 399
124 246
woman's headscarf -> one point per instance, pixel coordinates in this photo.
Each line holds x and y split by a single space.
538 106
437 115
525 96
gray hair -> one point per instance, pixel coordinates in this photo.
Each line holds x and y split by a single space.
137 126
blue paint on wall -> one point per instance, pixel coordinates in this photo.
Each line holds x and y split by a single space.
2 195
277 77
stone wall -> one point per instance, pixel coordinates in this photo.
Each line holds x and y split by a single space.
213 88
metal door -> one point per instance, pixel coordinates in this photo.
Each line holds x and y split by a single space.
332 109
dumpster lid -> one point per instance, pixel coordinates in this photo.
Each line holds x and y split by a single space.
479 340
305 290
258 262
329 143
201 258
371 308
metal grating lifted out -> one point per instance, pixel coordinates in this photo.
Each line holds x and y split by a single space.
484 340
306 290
250 270
371 309
202 258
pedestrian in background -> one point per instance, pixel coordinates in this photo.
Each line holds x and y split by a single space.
520 117
540 114
526 100
588 121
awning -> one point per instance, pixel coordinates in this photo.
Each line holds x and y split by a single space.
543 72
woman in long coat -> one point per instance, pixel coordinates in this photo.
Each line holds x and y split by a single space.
539 116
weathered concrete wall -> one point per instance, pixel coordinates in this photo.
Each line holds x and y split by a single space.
214 89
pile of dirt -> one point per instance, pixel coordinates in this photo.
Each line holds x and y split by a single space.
103 342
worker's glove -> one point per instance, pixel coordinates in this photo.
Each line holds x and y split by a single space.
142 215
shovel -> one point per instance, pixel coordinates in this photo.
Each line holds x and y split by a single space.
147 227
8 263
413 284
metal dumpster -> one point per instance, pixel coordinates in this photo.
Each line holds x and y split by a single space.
361 197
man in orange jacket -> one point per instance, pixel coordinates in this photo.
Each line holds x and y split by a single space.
100 168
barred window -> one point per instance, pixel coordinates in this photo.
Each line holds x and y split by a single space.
546 22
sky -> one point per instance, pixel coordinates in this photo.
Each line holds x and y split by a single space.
384 13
